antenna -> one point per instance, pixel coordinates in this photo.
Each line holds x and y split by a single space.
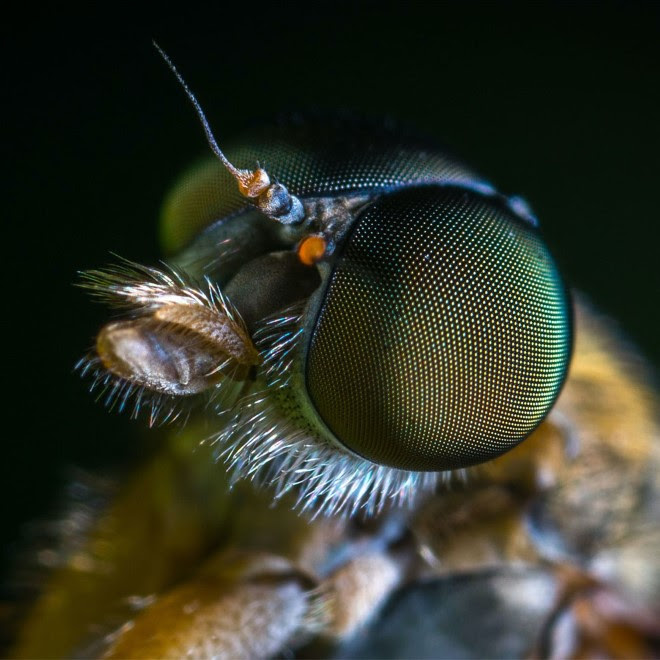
272 199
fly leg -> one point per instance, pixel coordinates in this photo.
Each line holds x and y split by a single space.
237 606
247 604
591 619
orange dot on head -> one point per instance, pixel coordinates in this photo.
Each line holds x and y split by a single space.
311 249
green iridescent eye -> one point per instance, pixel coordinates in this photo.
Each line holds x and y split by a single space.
443 336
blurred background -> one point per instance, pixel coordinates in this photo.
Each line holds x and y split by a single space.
556 102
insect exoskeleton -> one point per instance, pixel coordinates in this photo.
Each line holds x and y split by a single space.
390 316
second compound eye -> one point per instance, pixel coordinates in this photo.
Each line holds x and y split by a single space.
443 336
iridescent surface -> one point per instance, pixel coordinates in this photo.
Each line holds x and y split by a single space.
444 336
314 156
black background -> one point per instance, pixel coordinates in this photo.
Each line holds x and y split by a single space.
557 102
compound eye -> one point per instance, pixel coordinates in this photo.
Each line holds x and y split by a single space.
444 335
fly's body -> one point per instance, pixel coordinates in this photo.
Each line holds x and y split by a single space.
389 465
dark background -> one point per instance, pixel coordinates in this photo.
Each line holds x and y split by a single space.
557 102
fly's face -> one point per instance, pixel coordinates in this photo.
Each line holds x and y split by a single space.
411 322
371 314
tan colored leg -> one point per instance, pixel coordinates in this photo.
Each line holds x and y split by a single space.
236 607
356 591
